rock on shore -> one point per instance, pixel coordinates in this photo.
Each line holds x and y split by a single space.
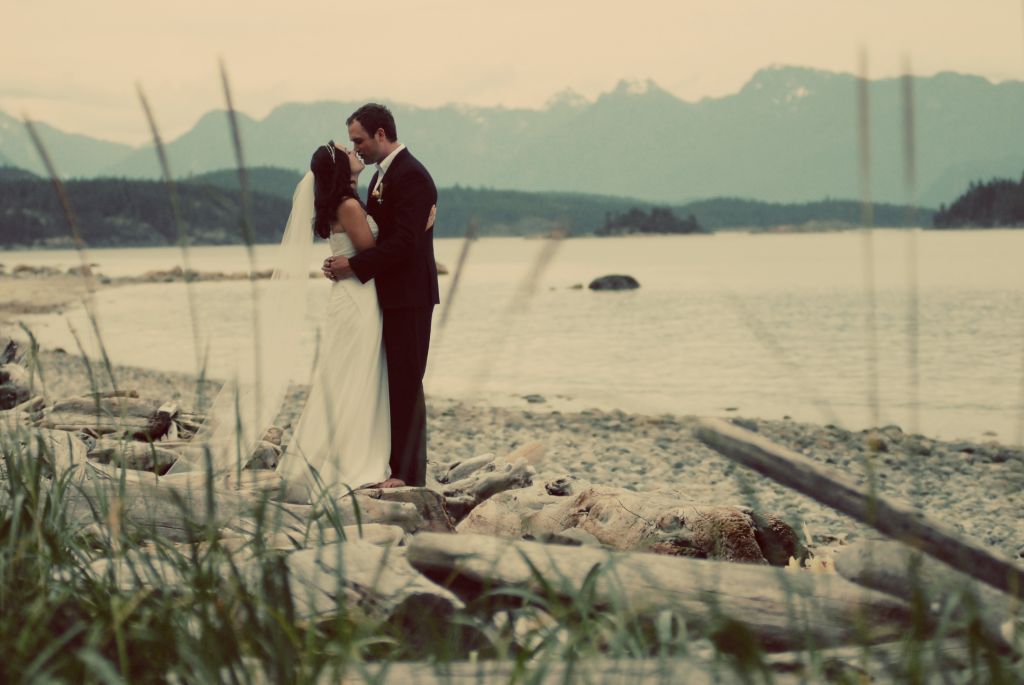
614 282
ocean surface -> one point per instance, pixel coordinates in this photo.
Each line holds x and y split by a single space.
766 325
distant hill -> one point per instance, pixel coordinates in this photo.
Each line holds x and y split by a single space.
120 213
514 212
788 136
74 156
13 173
116 212
992 204
269 180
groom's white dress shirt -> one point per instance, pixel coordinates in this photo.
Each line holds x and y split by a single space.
382 166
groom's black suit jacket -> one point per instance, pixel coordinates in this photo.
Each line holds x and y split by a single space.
402 263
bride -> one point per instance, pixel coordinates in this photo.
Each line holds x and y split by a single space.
342 439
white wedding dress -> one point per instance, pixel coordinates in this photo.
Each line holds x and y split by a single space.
343 438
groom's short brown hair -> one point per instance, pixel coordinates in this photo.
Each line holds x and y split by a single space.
373 116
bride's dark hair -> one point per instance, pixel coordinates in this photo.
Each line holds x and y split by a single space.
332 177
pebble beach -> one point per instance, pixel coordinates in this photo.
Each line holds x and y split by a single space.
975 487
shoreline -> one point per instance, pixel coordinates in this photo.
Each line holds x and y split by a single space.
45 290
975 487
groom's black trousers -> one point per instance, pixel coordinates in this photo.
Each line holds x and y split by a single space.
406 342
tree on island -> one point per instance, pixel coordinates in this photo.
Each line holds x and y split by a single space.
1000 202
658 220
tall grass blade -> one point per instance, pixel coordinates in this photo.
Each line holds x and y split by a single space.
183 238
249 239
867 222
913 305
446 307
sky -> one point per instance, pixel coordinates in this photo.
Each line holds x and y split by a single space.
76 64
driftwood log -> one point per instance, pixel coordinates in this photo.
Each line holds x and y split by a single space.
132 454
15 385
781 609
466 484
377 581
833 488
429 503
185 509
663 522
884 663
106 405
906 573
14 419
381 534
122 414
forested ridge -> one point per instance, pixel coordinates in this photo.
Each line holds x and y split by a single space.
114 212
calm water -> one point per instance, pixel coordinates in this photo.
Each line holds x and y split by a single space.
763 325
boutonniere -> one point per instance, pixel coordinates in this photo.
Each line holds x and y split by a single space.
378 192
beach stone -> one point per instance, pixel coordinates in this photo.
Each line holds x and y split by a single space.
614 282
534 399
876 443
559 487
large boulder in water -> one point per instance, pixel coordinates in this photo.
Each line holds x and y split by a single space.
614 282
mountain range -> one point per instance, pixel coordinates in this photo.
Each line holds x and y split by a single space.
789 135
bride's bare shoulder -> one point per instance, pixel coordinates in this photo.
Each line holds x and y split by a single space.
350 212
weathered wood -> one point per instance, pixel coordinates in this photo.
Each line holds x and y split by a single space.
150 509
13 419
532 452
663 522
59 451
15 382
177 507
119 406
602 670
463 469
264 456
497 475
33 405
379 534
101 424
113 393
430 504
377 580
11 350
835 489
133 454
781 609
881 663
907 573
352 576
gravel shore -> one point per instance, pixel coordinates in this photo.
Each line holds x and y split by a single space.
977 488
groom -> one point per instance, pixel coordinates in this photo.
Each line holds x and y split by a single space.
401 197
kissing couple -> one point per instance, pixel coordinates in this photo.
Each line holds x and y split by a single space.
364 422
